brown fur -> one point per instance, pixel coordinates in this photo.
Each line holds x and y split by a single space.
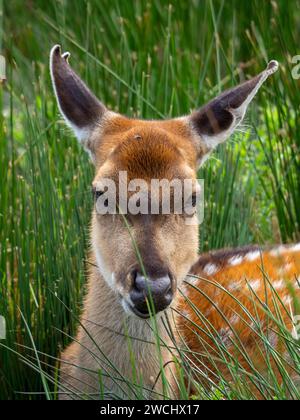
155 154
261 279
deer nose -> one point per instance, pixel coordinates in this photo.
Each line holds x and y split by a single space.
157 291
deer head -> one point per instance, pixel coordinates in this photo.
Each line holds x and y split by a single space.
141 254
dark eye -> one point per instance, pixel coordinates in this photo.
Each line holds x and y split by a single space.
194 200
97 194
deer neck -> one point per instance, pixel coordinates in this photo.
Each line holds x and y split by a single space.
121 336
104 307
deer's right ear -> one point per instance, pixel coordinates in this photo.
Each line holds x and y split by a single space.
81 110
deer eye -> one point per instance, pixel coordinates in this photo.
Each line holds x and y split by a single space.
97 194
191 204
194 199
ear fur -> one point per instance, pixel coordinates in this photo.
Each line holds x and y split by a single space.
217 120
80 108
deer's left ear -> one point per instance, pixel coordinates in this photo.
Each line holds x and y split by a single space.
217 120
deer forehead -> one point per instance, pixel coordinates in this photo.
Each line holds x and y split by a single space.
145 150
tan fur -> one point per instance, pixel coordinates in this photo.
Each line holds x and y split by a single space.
160 152
104 320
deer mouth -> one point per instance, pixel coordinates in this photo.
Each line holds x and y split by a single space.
137 312
129 308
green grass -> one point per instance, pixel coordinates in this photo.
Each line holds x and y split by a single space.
151 59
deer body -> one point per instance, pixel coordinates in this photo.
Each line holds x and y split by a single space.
141 261
225 279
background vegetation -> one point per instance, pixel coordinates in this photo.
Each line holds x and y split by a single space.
153 59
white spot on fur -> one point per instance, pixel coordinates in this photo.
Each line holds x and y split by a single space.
126 307
287 300
193 281
285 249
252 256
295 248
254 285
183 289
107 275
273 339
278 251
184 313
225 335
208 312
210 269
287 357
217 292
234 319
285 269
81 133
235 285
235 260
288 267
278 285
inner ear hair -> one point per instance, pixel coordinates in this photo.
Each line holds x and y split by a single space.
217 120
78 105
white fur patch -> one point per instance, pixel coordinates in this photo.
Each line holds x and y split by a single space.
211 142
235 285
235 260
273 339
285 269
287 300
278 251
255 285
208 312
126 307
295 248
234 319
81 133
210 269
252 256
225 335
107 275
278 285
193 281
185 313
285 249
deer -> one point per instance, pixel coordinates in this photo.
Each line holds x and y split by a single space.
126 290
